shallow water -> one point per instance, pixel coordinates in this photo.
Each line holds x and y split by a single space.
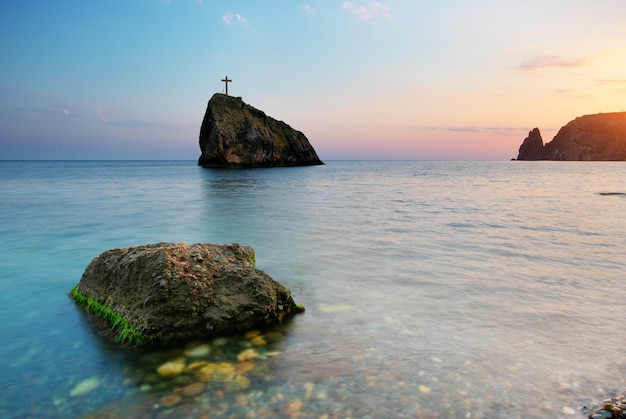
457 289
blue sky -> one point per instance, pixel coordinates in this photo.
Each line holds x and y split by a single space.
391 79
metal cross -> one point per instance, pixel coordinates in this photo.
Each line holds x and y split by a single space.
226 80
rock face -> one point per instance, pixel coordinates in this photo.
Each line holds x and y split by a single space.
179 292
590 137
234 134
532 147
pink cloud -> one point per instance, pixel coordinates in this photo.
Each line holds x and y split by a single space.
102 115
381 9
616 82
552 62
370 11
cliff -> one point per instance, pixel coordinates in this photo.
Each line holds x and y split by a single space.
235 134
599 137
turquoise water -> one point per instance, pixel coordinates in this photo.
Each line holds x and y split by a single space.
458 289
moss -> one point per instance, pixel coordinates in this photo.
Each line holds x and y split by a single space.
125 332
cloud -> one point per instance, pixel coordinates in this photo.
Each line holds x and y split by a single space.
469 129
241 19
552 62
308 9
232 18
369 11
358 10
381 9
611 82
102 115
573 94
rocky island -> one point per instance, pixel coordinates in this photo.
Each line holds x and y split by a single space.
235 134
598 137
172 293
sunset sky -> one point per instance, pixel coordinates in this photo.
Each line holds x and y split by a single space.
396 79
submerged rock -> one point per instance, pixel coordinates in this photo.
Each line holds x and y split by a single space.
234 134
609 408
85 386
171 368
174 292
197 351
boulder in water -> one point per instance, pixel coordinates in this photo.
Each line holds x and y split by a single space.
235 134
172 293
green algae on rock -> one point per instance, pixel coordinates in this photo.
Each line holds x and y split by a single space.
124 332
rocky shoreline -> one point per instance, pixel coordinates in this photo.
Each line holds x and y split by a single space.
269 373
610 408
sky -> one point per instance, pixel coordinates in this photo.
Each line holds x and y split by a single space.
395 79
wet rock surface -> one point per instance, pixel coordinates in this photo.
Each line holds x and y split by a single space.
610 408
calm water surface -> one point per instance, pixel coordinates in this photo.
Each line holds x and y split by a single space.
433 289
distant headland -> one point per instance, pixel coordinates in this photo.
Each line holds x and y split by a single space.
235 134
598 137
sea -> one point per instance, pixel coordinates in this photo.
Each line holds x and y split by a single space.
433 289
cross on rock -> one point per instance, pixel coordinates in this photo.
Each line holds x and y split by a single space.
226 81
